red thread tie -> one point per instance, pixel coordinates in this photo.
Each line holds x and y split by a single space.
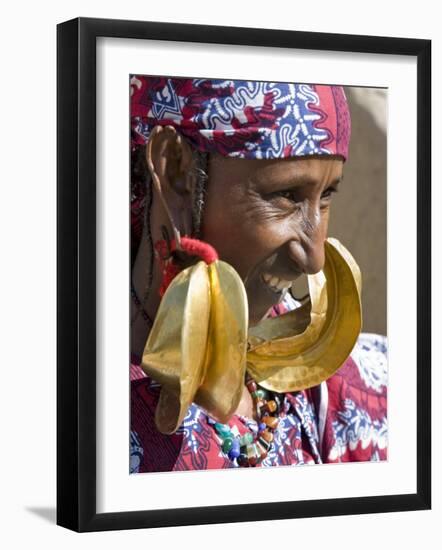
192 247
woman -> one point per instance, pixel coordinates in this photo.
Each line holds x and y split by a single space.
247 170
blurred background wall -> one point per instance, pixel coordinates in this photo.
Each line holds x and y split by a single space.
359 211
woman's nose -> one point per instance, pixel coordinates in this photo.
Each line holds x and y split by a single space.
307 249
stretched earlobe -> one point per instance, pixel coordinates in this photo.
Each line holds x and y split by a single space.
169 159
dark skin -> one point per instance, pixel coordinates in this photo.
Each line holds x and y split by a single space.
266 218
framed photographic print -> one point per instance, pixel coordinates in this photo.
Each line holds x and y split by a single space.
243 274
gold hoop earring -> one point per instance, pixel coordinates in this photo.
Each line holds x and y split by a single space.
302 348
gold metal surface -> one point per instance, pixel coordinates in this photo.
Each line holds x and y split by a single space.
175 352
222 386
197 347
308 357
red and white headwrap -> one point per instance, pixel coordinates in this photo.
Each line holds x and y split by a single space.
244 119
241 118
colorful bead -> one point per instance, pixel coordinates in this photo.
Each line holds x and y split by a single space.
271 406
268 436
250 449
246 439
271 421
257 450
222 429
242 460
234 451
261 394
263 446
251 386
234 431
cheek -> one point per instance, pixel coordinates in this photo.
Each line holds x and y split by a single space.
244 239
223 227
325 216
234 238
247 232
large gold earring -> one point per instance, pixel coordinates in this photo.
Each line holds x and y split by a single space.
302 348
200 328
199 347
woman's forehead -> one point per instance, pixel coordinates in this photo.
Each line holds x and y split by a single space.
286 172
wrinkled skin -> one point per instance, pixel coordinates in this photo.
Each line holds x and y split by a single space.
270 217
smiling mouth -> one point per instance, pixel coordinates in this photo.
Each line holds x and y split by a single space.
275 284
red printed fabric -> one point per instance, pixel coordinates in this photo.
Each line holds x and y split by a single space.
243 118
342 420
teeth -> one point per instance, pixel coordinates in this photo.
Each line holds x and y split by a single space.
275 283
283 285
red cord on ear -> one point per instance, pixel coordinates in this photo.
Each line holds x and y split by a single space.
193 247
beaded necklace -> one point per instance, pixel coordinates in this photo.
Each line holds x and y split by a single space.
249 450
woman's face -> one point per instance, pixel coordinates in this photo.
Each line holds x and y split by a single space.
269 219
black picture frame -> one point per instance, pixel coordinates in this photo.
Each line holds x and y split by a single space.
76 273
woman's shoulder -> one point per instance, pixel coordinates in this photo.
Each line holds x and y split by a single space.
370 358
356 427
364 375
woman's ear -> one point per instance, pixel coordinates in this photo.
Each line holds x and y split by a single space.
169 158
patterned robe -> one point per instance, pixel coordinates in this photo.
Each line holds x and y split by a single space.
344 419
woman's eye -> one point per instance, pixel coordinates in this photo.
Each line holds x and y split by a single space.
328 192
288 194
294 196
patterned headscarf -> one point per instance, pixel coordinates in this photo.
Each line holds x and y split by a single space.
244 119
237 118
